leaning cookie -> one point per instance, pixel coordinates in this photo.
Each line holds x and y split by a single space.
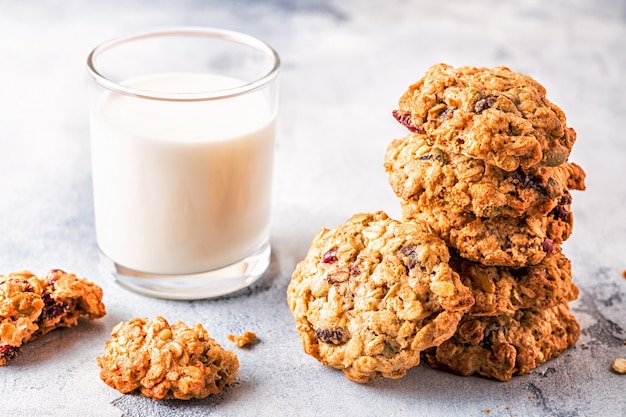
502 346
494 114
431 177
498 241
372 293
163 361
504 290
31 306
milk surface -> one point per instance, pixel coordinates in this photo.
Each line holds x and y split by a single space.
181 187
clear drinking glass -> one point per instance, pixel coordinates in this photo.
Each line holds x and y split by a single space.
182 125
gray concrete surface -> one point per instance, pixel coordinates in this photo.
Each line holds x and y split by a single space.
345 63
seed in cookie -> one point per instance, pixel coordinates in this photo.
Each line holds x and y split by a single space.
163 361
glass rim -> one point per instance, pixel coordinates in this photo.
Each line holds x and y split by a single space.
207 32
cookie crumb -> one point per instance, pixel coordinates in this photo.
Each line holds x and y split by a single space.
619 365
243 340
486 411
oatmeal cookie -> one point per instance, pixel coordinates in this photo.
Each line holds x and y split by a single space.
494 114
373 293
164 361
432 177
498 241
31 306
504 290
502 346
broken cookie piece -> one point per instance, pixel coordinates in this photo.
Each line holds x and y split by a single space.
164 361
31 306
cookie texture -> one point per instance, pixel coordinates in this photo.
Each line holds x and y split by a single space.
494 114
499 240
502 346
501 290
372 293
163 361
31 306
431 177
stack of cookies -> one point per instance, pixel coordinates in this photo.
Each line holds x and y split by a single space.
485 165
472 276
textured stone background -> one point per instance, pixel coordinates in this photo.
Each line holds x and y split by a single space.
345 63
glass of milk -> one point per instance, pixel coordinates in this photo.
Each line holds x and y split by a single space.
182 126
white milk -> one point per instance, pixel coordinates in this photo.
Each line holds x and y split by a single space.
181 187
